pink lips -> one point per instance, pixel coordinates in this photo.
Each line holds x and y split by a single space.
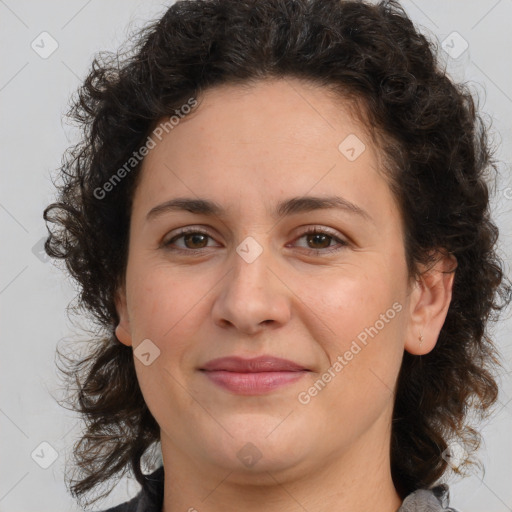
252 376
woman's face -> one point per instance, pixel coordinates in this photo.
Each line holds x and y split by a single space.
251 283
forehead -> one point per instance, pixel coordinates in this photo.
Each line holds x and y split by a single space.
254 143
285 110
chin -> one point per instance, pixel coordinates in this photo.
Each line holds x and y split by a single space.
258 447
252 465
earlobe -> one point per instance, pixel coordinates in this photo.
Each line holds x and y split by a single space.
430 302
123 331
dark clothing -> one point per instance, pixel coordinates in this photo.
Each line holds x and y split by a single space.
151 497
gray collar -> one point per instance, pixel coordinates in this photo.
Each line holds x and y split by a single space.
435 499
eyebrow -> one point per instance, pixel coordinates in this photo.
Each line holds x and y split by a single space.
294 205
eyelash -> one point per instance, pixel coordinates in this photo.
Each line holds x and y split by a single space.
308 231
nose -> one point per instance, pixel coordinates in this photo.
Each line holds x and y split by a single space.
253 296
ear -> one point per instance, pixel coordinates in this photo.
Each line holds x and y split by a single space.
123 330
429 303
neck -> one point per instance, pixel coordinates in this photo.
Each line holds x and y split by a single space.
357 480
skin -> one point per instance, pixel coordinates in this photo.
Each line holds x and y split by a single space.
247 148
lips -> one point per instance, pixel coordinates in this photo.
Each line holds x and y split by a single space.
253 376
257 364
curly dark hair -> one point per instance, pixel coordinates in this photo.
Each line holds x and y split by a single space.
439 166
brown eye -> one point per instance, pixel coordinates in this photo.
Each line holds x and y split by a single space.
193 240
318 241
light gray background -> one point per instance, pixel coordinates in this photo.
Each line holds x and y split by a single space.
34 92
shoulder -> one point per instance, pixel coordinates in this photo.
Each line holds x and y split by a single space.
436 499
128 506
150 497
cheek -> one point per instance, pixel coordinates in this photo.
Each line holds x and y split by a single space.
358 316
162 308
349 300
160 302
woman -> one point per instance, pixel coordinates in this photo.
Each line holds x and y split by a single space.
278 215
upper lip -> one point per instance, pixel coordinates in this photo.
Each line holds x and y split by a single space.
254 365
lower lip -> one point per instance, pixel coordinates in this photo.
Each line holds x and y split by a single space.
255 383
